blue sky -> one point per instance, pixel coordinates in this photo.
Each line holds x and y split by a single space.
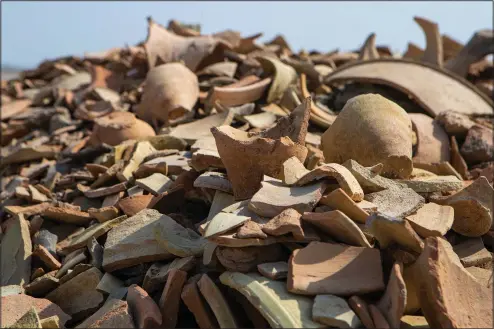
33 31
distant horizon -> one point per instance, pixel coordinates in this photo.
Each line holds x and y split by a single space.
36 31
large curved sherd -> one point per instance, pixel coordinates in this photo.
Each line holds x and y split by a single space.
247 159
370 130
118 127
170 92
433 142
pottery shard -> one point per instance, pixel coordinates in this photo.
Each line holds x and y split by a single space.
279 307
170 93
449 296
16 254
274 271
396 202
223 222
392 303
133 204
139 151
288 221
274 197
473 208
388 230
143 308
293 126
432 140
343 176
78 296
67 215
41 286
434 184
197 305
378 318
250 229
361 308
215 181
456 124
472 252
432 220
334 311
339 200
338 226
158 273
113 314
117 127
170 298
103 214
371 129
483 276
133 242
15 306
478 145
369 177
48 259
246 259
324 268
155 184
217 302
413 321
247 159
293 170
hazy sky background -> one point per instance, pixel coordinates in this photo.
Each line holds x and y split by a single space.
33 31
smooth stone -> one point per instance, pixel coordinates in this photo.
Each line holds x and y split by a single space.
334 312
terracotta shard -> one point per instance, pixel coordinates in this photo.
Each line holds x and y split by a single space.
246 259
67 215
396 202
48 259
169 47
293 170
170 93
288 221
103 214
223 222
157 274
318 116
343 176
472 208
201 128
283 77
413 321
247 159
392 303
274 271
117 127
478 146
279 307
114 313
237 95
378 318
170 298
455 94
250 229
361 308
334 312
339 200
388 230
392 143
217 302
369 177
457 160
13 108
16 254
274 197
196 304
433 142
338 226
432 220
433 43
368 50
324 268
133 204
443 303
472 252
483 276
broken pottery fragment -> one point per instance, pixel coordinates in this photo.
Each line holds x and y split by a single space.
41 286
144 310
472 252
455 94
339 200
287 221
433 184
413 321
389 230
478 145
378 318
232 95
222 223
111 286
155 184
393 301
338 226
283 77
324 268
133 204
368 50
343 176
472 208
396 202
78 296
432 140
195 130
217 302
114 313
361 308
274 271
434 47
215 181
29 320
158 273
246 259
483 276
16 254
334 312
67 215
170 298
116 127
432 220
278 306
443 304
196 304
247 159
250 229
103 214
120 251
139 152
366 118
46 257
293 170
180 241
274 197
